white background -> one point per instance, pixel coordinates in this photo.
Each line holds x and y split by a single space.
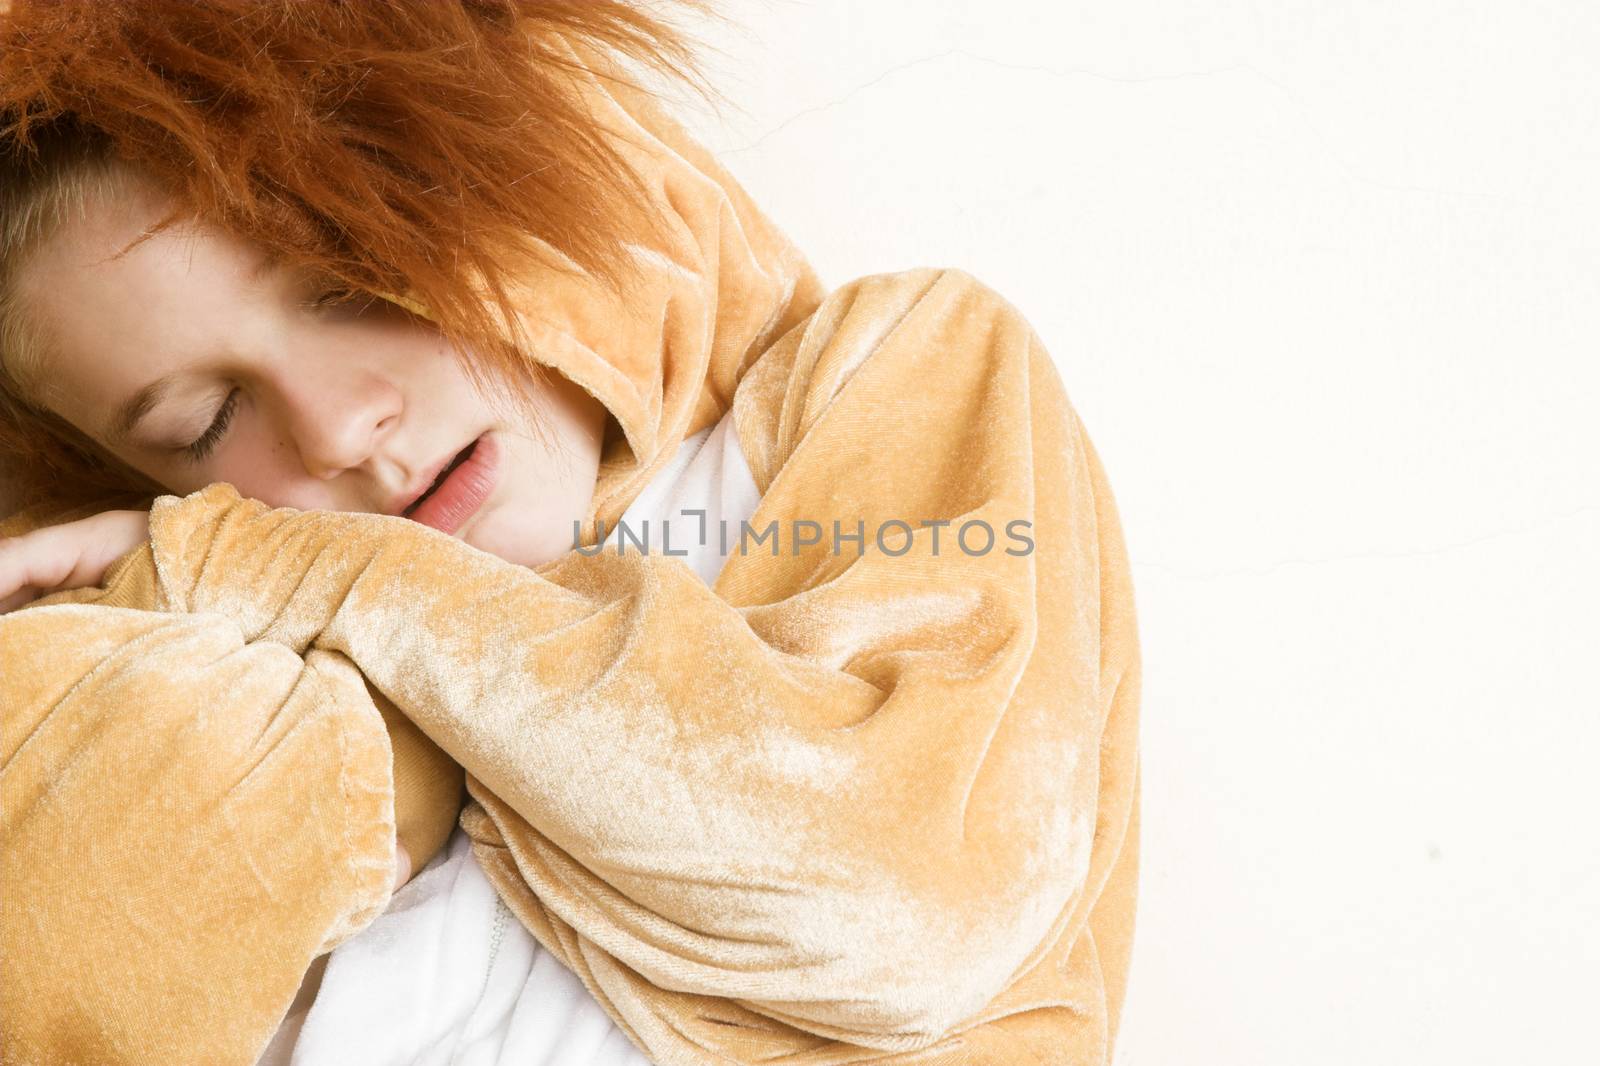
1323 280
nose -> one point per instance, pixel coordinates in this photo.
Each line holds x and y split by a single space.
338 413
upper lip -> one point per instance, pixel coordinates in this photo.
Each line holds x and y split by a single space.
409 495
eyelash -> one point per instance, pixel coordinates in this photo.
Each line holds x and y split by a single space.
214 432
333 297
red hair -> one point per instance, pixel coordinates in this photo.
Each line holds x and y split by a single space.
396 146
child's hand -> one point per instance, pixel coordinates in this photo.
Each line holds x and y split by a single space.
67 556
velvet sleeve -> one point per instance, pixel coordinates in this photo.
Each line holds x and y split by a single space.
187 819
876 795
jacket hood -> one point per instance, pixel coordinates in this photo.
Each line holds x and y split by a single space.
718 283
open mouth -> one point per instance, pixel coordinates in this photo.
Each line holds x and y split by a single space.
462 456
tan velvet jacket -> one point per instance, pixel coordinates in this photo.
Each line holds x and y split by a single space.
864 805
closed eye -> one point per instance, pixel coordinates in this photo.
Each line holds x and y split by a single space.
338 296
214 433
330 297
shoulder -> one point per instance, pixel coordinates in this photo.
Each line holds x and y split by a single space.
905 323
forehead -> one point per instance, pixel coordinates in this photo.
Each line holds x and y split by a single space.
113 304
117 242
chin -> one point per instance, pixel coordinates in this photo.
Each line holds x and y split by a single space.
524 543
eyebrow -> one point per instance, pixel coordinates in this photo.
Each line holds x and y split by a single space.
138 406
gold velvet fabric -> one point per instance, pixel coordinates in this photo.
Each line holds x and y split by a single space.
861 800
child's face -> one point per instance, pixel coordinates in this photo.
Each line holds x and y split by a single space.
335 407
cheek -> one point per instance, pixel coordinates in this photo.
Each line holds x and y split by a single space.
265 469
532 523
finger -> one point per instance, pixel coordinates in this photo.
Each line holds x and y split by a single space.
402 865
42 559
14 588
107 537
20 598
